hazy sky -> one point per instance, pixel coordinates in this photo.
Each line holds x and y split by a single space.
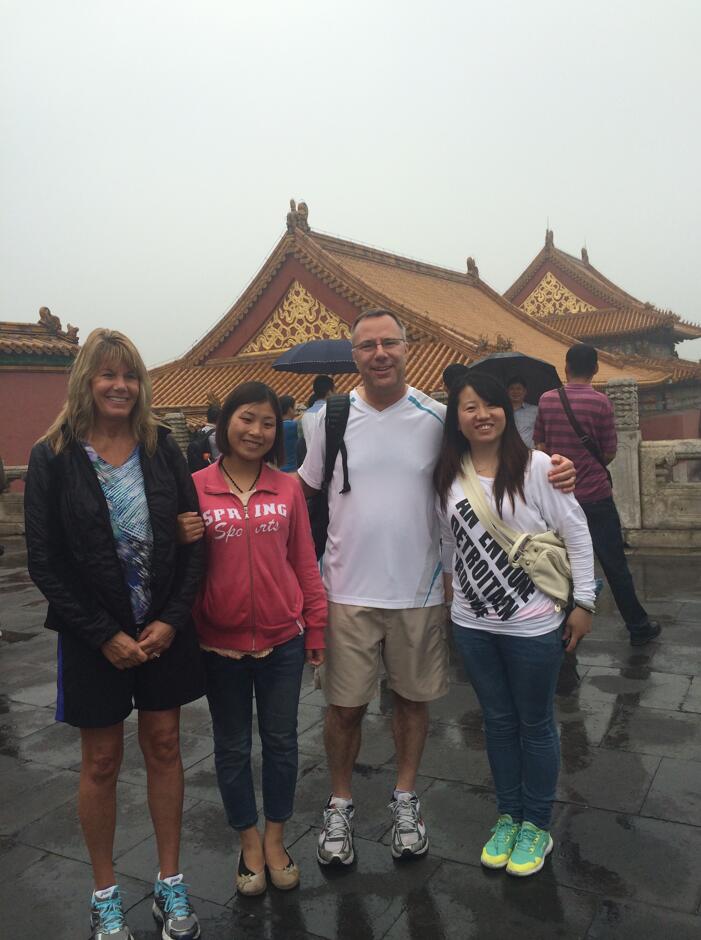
148 150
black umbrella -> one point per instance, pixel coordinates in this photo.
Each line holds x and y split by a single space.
327 356
538 375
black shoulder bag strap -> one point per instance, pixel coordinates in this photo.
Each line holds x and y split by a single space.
584 438
337 411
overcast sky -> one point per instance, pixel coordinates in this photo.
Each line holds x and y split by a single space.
148 150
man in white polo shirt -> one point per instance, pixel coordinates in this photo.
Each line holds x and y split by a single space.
382 573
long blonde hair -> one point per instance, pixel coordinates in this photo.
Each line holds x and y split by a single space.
75 420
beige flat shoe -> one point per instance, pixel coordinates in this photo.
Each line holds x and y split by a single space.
284 879
249 883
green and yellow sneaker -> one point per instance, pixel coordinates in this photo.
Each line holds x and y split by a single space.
497 851
529 853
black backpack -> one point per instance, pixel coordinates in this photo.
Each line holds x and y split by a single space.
337 411
200 445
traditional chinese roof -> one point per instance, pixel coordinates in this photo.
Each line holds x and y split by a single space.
560 289
618 321
681 370
313 285
41 343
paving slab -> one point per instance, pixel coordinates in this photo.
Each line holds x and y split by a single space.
377 742
613 780
627 857
216 921
675 792
583 723
362 901
193 748
31 790
460 902
54 892
620 921
456 752
692 701
18 720
634 685
59 831
627 824
209 853
201 778
654 731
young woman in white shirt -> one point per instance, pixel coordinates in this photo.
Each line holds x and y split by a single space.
509 634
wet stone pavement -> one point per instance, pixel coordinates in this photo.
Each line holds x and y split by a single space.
627 825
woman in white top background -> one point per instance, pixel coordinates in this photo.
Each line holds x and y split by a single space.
509 634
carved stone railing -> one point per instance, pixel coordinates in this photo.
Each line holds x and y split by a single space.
670 488
11 504
625 468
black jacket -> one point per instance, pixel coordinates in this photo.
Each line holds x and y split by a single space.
71 550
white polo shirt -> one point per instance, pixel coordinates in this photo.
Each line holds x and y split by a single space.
383 547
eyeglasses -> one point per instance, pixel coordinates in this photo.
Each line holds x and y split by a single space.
370 345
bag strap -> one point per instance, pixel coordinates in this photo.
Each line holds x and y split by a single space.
587 442
337 411
472 488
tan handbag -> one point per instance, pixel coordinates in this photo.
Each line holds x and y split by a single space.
542 555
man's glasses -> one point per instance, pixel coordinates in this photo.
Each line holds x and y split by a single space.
370 345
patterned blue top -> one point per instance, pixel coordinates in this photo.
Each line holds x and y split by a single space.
124 492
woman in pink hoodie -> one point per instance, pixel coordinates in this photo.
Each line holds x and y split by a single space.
260 612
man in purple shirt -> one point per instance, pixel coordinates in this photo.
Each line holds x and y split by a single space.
554 433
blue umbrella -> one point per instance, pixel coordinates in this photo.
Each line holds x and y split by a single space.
327 356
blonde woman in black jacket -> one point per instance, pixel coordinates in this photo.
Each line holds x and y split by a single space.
104 488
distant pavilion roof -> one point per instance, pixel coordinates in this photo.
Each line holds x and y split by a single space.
572 295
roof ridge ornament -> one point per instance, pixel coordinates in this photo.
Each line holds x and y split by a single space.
49 321
585 256
549 238
297 217
472 267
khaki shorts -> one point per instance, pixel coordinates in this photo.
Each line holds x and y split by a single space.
412 644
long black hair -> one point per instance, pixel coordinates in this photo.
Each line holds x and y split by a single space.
251 393
513 453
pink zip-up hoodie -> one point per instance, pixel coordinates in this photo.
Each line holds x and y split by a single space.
262 584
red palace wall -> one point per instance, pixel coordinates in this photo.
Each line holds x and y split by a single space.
29 402
670 427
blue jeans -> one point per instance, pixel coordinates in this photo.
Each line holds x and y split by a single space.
276 680
607 539
514 679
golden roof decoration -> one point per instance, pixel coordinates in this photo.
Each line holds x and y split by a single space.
299 318
550 297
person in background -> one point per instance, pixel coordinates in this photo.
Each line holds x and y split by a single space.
202 449
554 432
509 634
322 387
104 488
524 414
260 612
290 433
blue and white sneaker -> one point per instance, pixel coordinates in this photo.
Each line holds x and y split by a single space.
173 911
107 918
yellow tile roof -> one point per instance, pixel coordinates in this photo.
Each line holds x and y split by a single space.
450 316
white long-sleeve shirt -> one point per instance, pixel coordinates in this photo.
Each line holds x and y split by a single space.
488 593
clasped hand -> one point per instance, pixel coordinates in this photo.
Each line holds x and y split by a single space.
124 652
